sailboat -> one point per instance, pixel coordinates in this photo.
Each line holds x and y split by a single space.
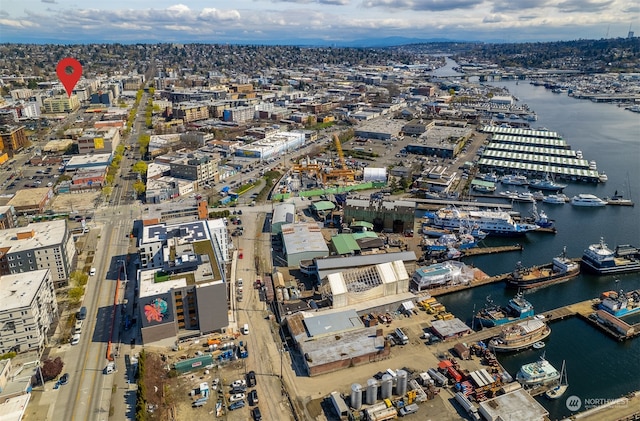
560 388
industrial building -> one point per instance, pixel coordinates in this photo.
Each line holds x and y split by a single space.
31 201
335 340
518 405
303 241
182 286
274 145
283 214
28 309
397 215
365 284
321 268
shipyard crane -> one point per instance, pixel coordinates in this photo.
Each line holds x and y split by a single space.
338 174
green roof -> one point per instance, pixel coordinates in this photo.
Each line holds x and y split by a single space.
344 243
324 205
477 182
364 234
364 224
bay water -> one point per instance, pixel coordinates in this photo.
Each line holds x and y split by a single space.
598 366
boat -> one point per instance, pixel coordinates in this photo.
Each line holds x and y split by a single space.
618 199
531 117
518 308
546 184
540 218
593 165
514 179
524 197
492 177
561 387
500 115
599 258
560 269
484 188
538 195
520 336
432 231
456 240
514 116
584 199
539 345
537 373
602 177
493 222
579 154
556 199
620 304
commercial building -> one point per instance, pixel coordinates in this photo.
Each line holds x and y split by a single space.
31 201
189 112
104 140
517 405
8 217
182 283
60 104
13 139
283 214
39 245
277 144
28 309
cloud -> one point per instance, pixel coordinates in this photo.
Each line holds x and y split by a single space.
49 1
211 13
584 6
20 24
510 5
423 5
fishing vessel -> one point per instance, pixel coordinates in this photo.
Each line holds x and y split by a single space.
515 180
620 304
561 387
518 308
520 336
585 199
444 242
493 222
537 373
560 269
599 258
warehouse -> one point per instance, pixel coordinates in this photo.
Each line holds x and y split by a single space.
303 241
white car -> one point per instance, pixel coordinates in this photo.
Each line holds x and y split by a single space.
237 397
215 383
75 339
239 383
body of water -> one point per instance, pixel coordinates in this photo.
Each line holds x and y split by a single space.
598 367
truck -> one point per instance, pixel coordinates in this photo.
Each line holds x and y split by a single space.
242 350
402 337
408 409
467 406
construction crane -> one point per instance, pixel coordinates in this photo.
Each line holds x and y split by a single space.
338 174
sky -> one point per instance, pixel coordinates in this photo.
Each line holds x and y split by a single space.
303 22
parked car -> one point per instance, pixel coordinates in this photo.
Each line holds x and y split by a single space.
236 405
255 413
239 383
237 397
215 383
251 378
253 397
75 339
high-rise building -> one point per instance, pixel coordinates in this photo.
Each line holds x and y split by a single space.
60 104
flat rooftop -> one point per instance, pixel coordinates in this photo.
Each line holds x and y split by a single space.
516 405
149 288
37 235
29 197
344 346
19 290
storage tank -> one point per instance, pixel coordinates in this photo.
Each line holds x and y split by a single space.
285 293
401 382
356 396
372 391
386 386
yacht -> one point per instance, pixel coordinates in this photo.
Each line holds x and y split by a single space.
561 387
556 199
546 184
494 222
537 373
587 200
516 180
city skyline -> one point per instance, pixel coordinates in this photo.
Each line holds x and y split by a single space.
320 22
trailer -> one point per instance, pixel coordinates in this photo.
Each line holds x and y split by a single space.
467 405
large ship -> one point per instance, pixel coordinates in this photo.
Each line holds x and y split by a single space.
520 336
537 373
494 222
602 260
620 304
560 269
494 315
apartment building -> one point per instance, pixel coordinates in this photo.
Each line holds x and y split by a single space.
13 139
28 309
39 245
8 217
102 140
60 104
189 112
195 166
182 281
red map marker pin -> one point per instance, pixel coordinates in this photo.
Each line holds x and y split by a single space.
69 71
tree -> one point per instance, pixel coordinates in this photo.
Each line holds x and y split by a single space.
49 369
139 187
106 191
75 294
79 278
140 167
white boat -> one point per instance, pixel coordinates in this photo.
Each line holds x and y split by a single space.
514 179
546 184
593 165
538 195
556 199
525 197
603 177
587 200
494 222
539 345
559 390
537 373
579 154
531 117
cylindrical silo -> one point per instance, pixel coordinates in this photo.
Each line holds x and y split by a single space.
386 386
285 293
372 391
356 396
401 382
